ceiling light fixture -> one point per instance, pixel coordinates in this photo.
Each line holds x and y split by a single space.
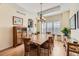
41 18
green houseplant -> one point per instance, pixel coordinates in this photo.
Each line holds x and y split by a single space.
66 32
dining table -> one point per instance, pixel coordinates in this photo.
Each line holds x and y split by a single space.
39 39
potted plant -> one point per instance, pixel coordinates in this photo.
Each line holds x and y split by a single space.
66 32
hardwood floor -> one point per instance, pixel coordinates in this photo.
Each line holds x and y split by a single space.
58 50
18 51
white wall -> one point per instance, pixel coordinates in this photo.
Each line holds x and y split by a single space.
73 7
7 11
74 33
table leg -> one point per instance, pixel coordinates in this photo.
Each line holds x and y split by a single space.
38 50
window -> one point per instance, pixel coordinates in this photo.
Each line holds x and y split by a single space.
43 27
50 27
57 27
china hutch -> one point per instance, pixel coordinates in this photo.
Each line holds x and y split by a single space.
18 32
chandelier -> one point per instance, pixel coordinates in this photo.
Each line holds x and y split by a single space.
41 12
41 18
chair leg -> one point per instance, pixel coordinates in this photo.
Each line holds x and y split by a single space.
44 52
26 54
51 51
48 52
38 52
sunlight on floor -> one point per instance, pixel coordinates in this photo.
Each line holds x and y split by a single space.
58 49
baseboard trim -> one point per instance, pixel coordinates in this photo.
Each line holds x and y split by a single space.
6 49
9 48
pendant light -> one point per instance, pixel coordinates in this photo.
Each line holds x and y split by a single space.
41 18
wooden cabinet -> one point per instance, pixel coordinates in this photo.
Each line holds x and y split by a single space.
18 34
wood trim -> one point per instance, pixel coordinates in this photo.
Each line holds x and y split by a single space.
9 48
6 49
73 44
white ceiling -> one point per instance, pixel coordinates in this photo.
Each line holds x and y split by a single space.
35 7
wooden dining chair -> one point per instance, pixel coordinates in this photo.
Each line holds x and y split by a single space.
26 45
53 38
29 47
47 46
59 38
72 47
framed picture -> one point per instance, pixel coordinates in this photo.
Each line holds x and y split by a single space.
73 22
17 20
30 23
78 19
